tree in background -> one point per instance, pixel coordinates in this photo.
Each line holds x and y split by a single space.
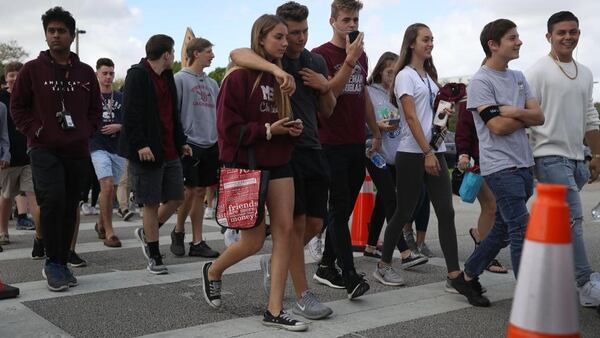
217 74
10 51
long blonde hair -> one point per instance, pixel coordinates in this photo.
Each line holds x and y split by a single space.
261 27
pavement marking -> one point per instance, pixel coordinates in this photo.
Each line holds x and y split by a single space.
20 321
367 312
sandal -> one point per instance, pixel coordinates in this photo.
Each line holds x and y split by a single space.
101 232
496 267
472 233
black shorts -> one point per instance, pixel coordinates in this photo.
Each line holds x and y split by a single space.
153 185
200 169
311 182
281 171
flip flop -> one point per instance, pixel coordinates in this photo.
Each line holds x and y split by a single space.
472 233
498 267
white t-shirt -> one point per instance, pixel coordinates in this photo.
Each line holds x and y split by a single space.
423 91
567 106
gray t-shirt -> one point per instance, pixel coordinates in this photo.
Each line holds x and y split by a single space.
501 88
305 101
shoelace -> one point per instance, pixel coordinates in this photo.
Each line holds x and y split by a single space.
309 299
214 288
284 315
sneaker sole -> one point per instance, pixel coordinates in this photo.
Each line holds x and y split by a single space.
205 280
78 265
154 272
359 290
384 282
128 216
326 282
414 263
135 233
37 258
295 328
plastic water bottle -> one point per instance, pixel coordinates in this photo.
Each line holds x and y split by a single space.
377 159
596 213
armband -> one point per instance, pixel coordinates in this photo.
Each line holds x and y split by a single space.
489 113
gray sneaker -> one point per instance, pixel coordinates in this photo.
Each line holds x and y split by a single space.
424 250
156 266
265 267
309 307
388 276
409 238
139 234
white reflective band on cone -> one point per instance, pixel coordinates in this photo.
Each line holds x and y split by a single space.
367 187
545 299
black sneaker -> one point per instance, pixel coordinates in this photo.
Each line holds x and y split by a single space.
413 260
471 289
177 246
7 291
38 251
125 214
1 248
374 254
356 285
283 321
156 266
75 260
202 250
71 280
329 276
211 289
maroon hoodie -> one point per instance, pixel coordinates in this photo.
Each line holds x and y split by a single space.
237 105
35 100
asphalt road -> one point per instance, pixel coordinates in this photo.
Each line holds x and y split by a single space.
116 297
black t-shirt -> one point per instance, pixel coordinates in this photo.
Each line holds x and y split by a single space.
111 113
18 141
305 101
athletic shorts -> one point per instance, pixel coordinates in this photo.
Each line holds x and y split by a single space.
153 185
311 182
201 169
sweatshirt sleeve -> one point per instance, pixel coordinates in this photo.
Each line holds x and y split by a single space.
465 131
95 110
232 111
592 116
133 109
4 140
21 104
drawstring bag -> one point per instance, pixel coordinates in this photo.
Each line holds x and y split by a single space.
470 186
241 193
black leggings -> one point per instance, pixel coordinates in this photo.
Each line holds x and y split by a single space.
385 203
410 175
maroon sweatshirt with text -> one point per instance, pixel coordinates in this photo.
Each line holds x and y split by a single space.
238 104
35 100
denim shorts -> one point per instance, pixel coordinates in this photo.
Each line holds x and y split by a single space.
107 164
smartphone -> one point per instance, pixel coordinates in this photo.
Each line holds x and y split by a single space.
292 123
394 122
353 35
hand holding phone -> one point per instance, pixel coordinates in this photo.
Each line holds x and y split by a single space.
353 35
394 122
292 123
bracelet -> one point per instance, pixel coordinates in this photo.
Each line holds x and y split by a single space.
349 64
269 135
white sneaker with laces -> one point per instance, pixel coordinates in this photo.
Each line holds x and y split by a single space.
231 236
315 247
209 213
589 293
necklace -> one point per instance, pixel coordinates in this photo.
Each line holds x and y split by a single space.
561 68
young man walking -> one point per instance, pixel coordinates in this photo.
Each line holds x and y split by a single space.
153 141
197 101
305 76
15 174
564 88
502 106
56 103
108 165
343 138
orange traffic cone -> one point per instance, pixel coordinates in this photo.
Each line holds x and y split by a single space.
7 291
361 216
545 303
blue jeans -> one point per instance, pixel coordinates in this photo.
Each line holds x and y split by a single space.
512 188
574 174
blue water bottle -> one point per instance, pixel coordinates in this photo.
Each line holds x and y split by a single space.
377 159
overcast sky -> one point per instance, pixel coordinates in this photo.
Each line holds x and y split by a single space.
119 28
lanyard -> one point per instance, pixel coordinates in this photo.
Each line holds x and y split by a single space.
63 81
431 97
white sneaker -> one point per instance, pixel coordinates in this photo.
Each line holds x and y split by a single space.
315 247
231 236
589 293
86 209
209 213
